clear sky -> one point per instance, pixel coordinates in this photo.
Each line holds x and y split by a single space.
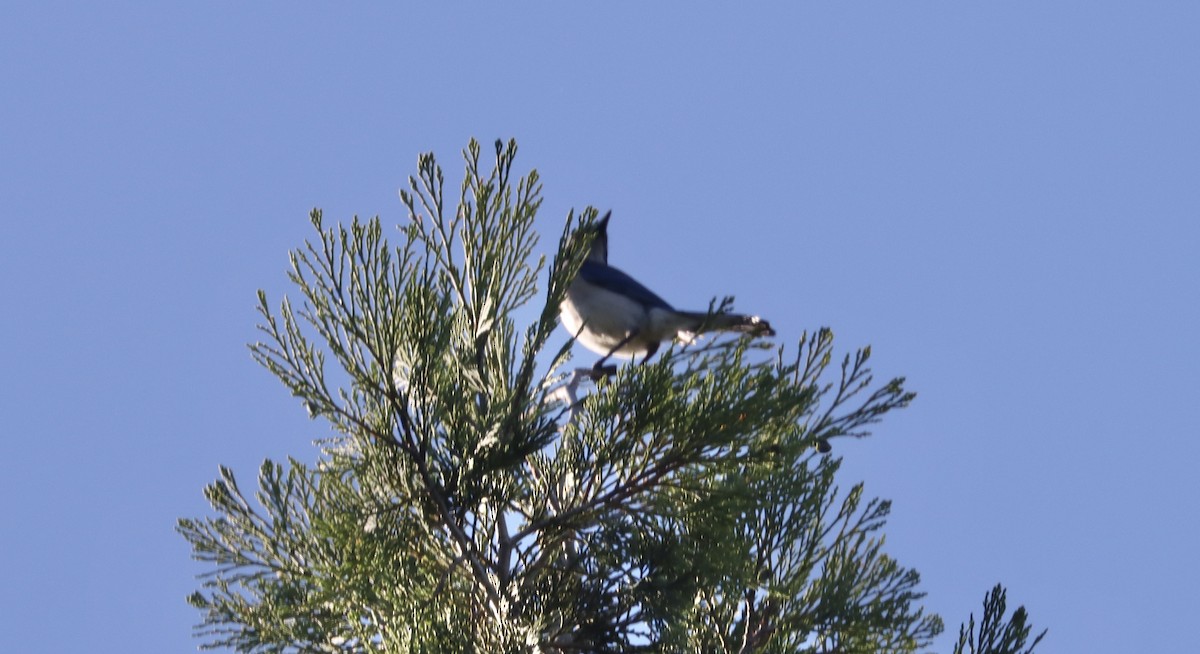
1002 198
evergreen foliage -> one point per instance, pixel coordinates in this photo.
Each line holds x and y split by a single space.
994 635
472 500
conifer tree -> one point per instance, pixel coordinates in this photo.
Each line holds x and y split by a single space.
480 496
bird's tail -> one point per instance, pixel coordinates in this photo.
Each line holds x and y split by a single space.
724 322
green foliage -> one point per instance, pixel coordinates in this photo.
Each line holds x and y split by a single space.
472 501
994 636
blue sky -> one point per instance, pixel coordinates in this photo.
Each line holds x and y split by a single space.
1001 198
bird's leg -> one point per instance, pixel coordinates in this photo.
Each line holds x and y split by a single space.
600 370
650 352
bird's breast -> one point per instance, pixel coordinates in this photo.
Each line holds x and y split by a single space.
600 319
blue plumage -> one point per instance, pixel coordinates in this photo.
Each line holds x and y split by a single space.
615 315
617 281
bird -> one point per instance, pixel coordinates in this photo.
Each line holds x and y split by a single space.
614 315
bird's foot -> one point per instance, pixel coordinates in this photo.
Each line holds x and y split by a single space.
601 371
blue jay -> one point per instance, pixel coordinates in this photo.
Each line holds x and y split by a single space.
612 314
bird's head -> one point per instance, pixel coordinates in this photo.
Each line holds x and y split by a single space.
599 251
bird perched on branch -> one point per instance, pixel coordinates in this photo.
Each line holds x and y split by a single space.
612 314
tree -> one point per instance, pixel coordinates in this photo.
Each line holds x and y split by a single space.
474 499
994 635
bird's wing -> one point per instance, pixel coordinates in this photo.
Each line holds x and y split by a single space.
612 279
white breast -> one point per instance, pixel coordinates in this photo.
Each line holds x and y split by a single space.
600 319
